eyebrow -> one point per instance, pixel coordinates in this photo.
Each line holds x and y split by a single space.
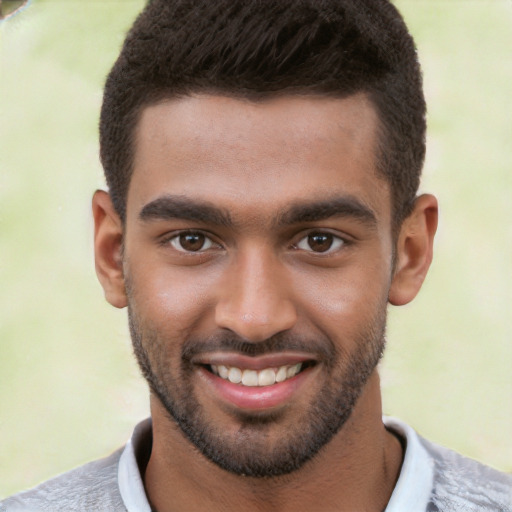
170 207
178 207
342 206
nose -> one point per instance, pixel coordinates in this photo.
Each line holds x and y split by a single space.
255 300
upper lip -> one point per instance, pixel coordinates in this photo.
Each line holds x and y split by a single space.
252 363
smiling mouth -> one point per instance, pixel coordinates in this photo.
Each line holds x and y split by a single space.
258 378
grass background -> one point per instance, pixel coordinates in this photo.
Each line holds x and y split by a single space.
69 389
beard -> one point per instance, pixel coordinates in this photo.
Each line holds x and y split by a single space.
253 450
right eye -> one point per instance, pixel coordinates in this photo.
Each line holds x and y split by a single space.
191 241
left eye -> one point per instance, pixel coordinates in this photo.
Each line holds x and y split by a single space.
320 242
191 241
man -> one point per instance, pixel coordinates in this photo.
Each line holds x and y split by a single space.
263 160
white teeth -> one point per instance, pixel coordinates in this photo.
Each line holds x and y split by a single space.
293 370
223 371
281 374
266 377
235 375
252 378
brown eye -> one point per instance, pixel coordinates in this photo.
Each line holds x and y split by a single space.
191 241
320 242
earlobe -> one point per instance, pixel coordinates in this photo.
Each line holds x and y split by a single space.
414 250
108 239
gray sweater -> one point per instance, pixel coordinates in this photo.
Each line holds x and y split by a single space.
457 484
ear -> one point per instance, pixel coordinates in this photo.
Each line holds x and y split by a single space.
108 240
414 250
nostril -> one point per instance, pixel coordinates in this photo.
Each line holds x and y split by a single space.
256 321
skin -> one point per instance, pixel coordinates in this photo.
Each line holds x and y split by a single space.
263 277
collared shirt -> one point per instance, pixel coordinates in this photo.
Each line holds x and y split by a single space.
432 479
411 493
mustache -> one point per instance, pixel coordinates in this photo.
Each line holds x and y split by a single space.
321 345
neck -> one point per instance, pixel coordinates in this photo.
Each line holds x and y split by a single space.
356 470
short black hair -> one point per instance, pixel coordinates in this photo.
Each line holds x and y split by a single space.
262 48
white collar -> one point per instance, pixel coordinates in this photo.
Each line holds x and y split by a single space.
411 492
129 478
414 486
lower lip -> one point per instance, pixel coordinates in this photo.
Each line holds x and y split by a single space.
257 398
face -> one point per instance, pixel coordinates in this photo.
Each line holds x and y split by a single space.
257 263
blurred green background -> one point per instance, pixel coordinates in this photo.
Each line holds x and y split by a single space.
69 390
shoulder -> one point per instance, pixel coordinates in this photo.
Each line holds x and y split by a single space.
93 486
464 484
437 479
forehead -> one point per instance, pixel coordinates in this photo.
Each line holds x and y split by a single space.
254 157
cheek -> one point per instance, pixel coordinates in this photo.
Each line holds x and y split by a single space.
344 301
173 300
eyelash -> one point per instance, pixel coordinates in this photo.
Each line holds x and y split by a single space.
175 239
336 245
